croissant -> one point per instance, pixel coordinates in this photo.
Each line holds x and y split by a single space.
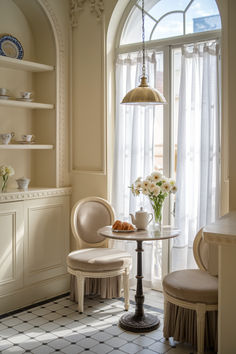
119 225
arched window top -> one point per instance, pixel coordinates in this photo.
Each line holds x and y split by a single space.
168 18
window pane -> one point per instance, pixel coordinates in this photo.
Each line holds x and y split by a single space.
163 6
203 15
132 32
169 26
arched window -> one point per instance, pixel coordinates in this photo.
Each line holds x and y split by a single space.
181 139
168 18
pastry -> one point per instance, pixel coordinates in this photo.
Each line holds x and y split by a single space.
122 226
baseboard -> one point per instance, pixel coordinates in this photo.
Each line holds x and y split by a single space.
35 293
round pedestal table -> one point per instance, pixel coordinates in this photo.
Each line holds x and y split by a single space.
140 321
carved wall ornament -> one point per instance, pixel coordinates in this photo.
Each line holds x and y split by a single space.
96 6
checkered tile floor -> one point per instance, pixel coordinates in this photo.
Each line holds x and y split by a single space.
56 326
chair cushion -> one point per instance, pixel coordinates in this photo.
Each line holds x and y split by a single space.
98 259
192 285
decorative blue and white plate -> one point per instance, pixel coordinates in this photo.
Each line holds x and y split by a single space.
11 47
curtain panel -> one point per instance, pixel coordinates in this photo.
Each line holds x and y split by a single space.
134 150
198 152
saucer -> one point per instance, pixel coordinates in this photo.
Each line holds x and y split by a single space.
25 99
4 97
24 142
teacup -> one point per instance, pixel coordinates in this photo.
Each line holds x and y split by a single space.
23 183
3 91
29 138
26 95
6 138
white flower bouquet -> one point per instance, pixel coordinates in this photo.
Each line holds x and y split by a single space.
5 173
156 187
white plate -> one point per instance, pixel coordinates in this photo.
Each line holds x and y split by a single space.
124 231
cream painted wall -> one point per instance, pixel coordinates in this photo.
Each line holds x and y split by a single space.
89 130
93 81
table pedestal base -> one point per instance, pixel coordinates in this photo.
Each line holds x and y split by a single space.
134 323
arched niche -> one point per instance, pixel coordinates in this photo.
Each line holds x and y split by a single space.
35 24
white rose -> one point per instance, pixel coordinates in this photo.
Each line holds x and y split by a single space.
138 179
156 176
149 178
172 182
164 180
138 185
152 186
174 189
10 171
146 184
3 170
156 191
145 191
166 187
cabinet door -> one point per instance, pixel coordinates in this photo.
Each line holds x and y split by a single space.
46 238
11 246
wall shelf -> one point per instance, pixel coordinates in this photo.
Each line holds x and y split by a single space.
25 147
25 104
18 64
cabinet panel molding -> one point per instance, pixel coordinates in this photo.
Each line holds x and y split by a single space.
11 247
46 238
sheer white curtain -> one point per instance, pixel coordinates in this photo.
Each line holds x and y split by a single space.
198 154
134 147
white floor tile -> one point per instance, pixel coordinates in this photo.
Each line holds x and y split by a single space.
13 350
116 342
58 327
131 348
88 343
59 343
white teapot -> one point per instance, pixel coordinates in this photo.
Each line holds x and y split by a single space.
141 219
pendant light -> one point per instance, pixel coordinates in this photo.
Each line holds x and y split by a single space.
143 94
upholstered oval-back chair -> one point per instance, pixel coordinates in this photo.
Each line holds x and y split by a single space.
191 299
94 259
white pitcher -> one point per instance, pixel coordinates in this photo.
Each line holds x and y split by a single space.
141 219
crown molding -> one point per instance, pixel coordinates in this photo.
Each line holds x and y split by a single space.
36 193
96 7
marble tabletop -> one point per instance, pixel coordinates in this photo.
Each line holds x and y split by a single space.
166 232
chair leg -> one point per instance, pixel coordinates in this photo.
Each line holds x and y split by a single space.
201 312
80 287
126 288
165 317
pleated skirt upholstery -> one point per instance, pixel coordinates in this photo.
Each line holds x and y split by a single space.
106 288
181 324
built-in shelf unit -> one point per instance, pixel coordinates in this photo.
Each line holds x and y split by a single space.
34 224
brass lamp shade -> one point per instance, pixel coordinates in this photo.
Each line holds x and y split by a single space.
143 95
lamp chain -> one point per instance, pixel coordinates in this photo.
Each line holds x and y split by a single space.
143 39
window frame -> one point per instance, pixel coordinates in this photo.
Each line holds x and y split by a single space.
165 46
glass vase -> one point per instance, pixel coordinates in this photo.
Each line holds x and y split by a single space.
157 211
4 183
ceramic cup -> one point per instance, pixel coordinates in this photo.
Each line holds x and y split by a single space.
3 91
29 138
6 138
26 95
23 183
